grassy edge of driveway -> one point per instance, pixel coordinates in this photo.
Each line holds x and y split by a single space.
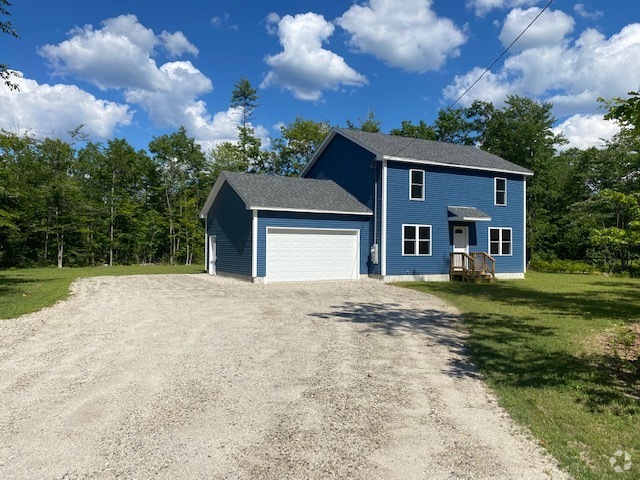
31 289
552 348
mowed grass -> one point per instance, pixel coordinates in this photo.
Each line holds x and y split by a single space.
544 346
28 290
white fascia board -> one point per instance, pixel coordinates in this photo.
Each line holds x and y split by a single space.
469 219
302 210
451 165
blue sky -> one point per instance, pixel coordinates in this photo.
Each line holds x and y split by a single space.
138 69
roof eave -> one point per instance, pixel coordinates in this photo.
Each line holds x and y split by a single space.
453 165
308 210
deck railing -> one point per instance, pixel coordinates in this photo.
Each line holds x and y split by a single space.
474 264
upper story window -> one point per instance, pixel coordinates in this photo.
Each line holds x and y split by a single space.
500 191
416 184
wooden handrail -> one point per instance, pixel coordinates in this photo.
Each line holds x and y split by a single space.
472 263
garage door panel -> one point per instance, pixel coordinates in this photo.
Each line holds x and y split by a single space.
311 255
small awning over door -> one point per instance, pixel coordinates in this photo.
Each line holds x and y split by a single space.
467 214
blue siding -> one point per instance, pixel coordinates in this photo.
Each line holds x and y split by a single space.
350 166
357 171
312 220
230 221
443 187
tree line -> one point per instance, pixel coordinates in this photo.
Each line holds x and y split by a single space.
87 203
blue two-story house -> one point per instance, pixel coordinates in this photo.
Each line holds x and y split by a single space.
370 204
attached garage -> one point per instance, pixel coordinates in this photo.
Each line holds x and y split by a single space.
295 254
283 229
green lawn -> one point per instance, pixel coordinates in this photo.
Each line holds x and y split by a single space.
28 290
544 346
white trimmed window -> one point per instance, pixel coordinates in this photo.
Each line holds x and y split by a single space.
500 241
416 184
416 240
500 191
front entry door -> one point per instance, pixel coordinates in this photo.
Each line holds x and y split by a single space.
460 245
211 268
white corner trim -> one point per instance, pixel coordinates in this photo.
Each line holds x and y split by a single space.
383 221
254 244
524 225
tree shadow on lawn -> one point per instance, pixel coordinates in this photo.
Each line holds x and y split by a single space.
506 346
10 285
608 300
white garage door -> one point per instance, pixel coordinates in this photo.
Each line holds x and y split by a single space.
297 255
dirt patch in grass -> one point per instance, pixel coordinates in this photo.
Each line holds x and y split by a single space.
620 349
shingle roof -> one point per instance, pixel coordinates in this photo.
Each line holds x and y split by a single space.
430 151
467 214
269 192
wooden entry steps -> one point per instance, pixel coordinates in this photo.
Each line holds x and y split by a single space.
477 267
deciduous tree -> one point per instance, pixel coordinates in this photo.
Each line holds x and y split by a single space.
296 145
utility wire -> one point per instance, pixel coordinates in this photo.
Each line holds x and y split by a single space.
488 69
501 55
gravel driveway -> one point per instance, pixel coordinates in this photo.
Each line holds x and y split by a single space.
191 376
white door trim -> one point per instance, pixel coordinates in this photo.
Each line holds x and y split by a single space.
459 261
212 257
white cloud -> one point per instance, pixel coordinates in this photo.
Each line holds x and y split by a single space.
550 29
120 55
272 21
170 106
580 10
218 22
571 75
405 34
116 56
52 110
177 44
494 87
585 131
482 7
304 67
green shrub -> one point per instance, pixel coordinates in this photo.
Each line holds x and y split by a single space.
561 266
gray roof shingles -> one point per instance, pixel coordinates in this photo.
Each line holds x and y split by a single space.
431 151
293 193
468 212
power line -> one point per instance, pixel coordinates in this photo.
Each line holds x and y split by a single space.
487 69
501 55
